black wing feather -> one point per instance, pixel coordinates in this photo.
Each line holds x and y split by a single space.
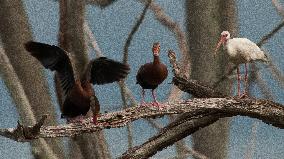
104 70
53 58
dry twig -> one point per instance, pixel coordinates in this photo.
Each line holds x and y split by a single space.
173 26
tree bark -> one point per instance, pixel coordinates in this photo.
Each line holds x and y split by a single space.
265 110
205 21
14 32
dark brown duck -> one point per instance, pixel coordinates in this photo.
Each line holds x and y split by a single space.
151 75
77 92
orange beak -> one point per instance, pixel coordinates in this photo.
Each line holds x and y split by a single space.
156 51
221 41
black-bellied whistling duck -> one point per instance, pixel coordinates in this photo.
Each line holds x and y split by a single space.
241 51
77 92
150 75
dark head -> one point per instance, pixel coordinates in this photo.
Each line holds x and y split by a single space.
225 36
156 49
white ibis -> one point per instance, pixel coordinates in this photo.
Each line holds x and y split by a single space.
240 51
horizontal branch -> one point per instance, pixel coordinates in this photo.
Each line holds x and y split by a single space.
205 112
267 111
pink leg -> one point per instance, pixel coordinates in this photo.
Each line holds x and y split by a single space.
155 102
143 103
239 84
95 119
246 78
246 82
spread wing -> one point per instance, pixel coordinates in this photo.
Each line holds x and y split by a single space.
53 58
103 70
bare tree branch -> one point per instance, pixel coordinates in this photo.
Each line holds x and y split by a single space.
174 27
267 111
278 7
122 84
270 34
133 31
191 86
186 126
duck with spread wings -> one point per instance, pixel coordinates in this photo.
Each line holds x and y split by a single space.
78 93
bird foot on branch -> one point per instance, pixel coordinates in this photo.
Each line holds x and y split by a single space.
244 95
158 105
79 119
143 104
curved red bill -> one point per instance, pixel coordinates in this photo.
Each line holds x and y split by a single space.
221 41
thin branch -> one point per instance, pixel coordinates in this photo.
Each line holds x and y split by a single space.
174 27
122 84
270 34
124 102
133 31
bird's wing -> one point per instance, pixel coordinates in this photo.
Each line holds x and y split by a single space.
103 70
247 49
53 58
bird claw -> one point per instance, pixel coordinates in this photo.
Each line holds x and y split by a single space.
244 95
157 104
78 119
143 104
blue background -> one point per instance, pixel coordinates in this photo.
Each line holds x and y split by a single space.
111 27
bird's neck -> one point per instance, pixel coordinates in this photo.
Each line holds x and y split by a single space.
226 41
156 60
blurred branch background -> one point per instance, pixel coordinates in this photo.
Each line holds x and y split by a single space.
92 28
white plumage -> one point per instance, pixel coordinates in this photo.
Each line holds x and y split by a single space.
241 50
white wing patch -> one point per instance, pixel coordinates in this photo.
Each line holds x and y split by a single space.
243 50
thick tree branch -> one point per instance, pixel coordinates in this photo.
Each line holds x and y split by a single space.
189 123
200 118
267 111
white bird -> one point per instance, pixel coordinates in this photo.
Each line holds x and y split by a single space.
240 51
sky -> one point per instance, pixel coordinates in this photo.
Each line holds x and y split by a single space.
111 27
